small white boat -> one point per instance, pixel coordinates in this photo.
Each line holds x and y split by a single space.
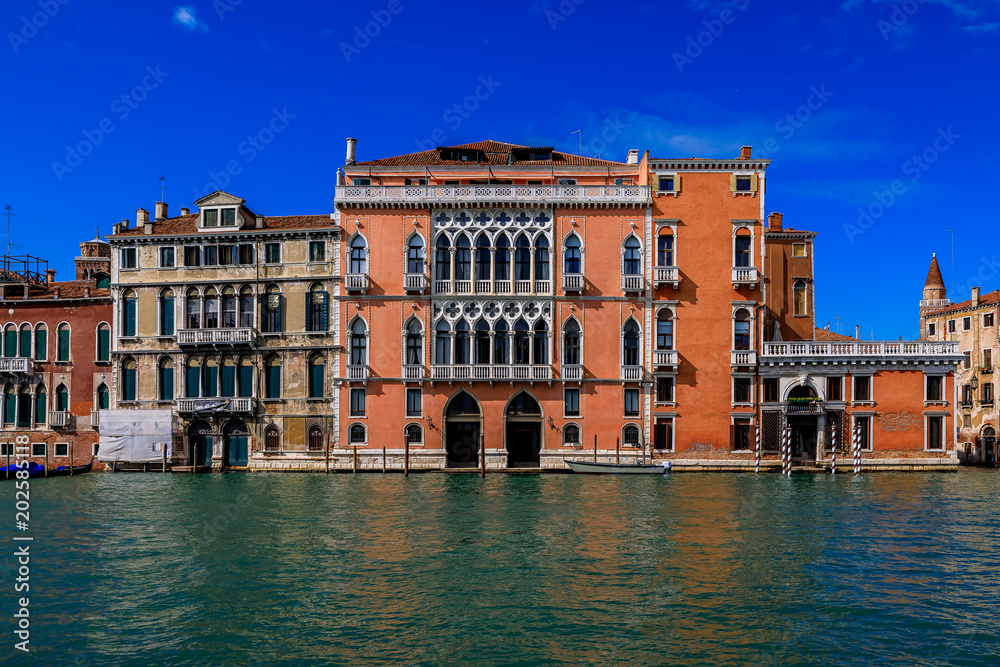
592 468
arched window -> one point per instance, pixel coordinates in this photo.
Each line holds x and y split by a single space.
541 346
502 261
128 313
9 405
24 405
414 434
630 346
315 438
632 258
227 371
317 308
165 381
210 378
359 342
103 342
192 309
741 330
41 342
541 258
442 259
500 343
192 380
24 342
523 405
128 382
272 377
571 343
414 343
522 343
483 257
571 435
103 397
442 343
463 258
42 404
664 330
10 341
167 313
271 309
522 258
482 351
357 434
415 255
62 342
630 435
572 263
211 308
799 298
246 307
741 248
461 342
317 368
359 255
665 248
228 308
271 438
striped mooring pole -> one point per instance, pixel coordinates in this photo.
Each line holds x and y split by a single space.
857 451
757 452
786 451
833 443
789 451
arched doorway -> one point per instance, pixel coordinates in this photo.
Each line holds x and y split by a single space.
200 437
989 438
235 444
524 431
804 409
462 419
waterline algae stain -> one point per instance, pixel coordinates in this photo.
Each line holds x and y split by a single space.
553 570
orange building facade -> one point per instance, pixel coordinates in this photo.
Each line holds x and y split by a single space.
544 306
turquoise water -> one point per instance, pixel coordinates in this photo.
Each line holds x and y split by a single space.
261 569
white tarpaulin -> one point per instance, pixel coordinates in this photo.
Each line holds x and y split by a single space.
135 436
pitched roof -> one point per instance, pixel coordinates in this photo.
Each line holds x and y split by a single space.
68 289
984 300
495 153
934 279
828 336
188 224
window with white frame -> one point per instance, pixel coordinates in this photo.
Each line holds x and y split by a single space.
571 435
966 324
631 402
934 388
863 431
951 326
935 432
862 388
571 402
742 390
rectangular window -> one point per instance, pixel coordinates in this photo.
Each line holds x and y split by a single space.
743 184
361 181
192 255
665 250
770 390
741 435
571 402
167 257
62 449
988 359
210 255
742 257
227 255
212 217
246 253
665 390
864 426
987 393
7 449
834 389
968 360
358 402
931 329
667 184
62 349
741 390
413 402
967 393
272 253
567 181
988 320
317 251
229 217
128 258
38 449
935 433
951 326
934 388
416 181
862 388
798 250
966 324
631 402
103 344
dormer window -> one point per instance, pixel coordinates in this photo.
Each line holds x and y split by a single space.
228 216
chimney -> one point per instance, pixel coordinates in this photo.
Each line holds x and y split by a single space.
774 222
260 221
975 296
56 294
50 276
745 153
351 146
124 226
633 156
161 210
141 217
857 331
86 292
185 211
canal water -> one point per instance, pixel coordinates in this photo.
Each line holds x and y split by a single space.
437 569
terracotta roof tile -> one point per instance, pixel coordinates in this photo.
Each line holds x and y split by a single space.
68 289
496 153
934 279
829 336
187 224
984 300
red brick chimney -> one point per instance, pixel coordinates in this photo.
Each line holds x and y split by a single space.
774 222
745 153
50 276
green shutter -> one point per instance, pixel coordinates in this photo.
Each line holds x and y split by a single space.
274 381
316 381
246 380
104 397
310 325
281 312
128 384
324 324
9 403
167 316
41 344
193 381
24 348
10 343
63 353
166 384
103 344
41 409
129 328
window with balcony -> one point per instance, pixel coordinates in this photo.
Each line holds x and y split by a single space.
632 257
128 379
272 377
631 402
165 379
414 342
24 405
358 255
799 302
571 402
211 303
664 330
103 342
228 320
522 342
245 372
741 249
481 351
357 402
192 309
571 343
24 341
934 386
227 369
835 389
501 340
741 389
540 347
415 255
128 313
630 343
664 390
541 258
317 369
317 308
247 309
442 258
462 342
413 402
665 249
41 342
522 258
442 343
272 316
317 251
572 263
10 341
210 378
770 386
166 318
358 343
483 266
501 263
741 330
62 342
463 259
192 378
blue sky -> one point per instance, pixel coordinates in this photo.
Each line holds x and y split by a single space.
842 95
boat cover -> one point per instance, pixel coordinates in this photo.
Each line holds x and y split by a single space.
135 436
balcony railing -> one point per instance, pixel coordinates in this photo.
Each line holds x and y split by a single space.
812 408
632 283
238 336
16 364
357 371
745 275
631 373
935 303
816 349
572 282
233 405
664 357
572 372
484 372
743 358
59 418
666 275
356 282
492 287
413 372
522 286
415 282
95 418
424 195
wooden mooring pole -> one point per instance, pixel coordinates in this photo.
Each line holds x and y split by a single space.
9 446
71 443
326 454
164 458
383 460
618 442
46 473
354 461
595 448
406 456
482 455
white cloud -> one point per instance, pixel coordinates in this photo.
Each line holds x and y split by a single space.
187 16
982 28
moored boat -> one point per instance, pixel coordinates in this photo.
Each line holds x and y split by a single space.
34 470
594 468
77 470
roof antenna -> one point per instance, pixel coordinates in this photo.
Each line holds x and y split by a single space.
10 212
580 132
163 188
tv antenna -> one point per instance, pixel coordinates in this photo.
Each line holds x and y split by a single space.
10 211
580 132
163 188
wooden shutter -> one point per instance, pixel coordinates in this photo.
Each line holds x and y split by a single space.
63 354
310 325
24 346
677 182
167 316
732 182
41 344
103 344
753 182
